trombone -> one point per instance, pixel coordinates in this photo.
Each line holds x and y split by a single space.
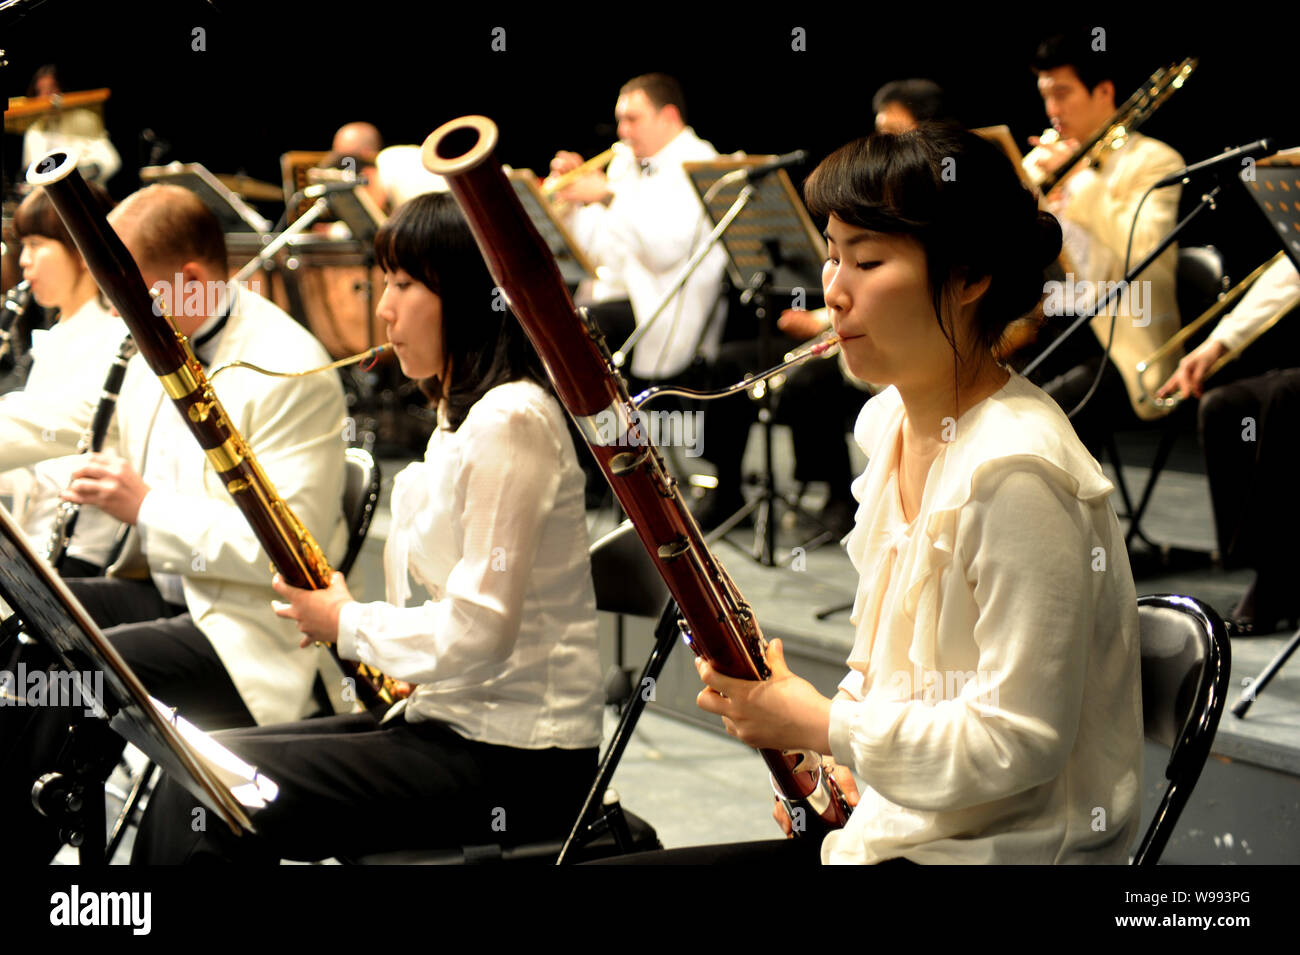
1161 85
1228 300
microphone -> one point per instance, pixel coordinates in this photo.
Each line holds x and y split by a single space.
796 158
323 188
1259 146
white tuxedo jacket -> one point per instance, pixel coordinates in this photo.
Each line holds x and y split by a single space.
295 429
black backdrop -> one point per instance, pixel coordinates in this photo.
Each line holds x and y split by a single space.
278 76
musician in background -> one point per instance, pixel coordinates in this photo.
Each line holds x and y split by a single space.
491 522
900 104
394 173
1096 206
992 702
641 220
79 130
1248 429
186 603
69 364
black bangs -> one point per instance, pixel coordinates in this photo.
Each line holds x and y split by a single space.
864 184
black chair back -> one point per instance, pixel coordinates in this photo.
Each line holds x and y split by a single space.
625 578
1186 662
1200 280
360 498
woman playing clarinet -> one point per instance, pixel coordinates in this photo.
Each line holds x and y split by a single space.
55 407
491 523
991 707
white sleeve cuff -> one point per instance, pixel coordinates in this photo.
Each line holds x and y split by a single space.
839 734
349 622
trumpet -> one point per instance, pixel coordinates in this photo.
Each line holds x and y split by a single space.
596 163
1161 85
1228 300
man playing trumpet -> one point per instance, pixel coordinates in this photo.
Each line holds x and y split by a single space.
641 220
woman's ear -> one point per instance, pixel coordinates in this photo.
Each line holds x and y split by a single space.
972 290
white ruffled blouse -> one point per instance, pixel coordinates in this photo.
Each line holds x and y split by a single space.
996 712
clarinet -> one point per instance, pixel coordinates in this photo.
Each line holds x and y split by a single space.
293 551
719 625
15 303
65 521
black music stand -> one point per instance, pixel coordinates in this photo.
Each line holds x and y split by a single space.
233 212
574 266
1275 186
48 619
772 248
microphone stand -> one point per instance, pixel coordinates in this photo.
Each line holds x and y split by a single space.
737 207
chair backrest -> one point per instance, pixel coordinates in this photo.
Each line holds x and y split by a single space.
360 498
625 578
1200 280
1186 662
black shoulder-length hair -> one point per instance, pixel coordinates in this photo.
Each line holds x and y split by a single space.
959 196
430 240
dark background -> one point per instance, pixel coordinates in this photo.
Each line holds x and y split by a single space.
275 77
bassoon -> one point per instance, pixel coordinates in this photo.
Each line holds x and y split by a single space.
292 550
718 624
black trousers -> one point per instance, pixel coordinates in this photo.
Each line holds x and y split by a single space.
777 853
350 785
173 660
1249 430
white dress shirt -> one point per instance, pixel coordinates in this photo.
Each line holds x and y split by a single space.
996 709
69 364
491 522
644 238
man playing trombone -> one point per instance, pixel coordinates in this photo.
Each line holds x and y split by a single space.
1096 205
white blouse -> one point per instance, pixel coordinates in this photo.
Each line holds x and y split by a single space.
996 709
70 363
492 523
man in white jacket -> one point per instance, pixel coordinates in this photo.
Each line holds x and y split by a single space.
641 221
188 601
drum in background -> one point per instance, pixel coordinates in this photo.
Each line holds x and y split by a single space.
329 285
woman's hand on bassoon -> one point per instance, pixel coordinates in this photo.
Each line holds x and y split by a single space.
109 483
782 712
315 611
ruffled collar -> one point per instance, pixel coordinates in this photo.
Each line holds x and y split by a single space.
1017 421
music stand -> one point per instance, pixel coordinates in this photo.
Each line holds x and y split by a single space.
573 264
353 207
1276 189
233 212
772 247
45 611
